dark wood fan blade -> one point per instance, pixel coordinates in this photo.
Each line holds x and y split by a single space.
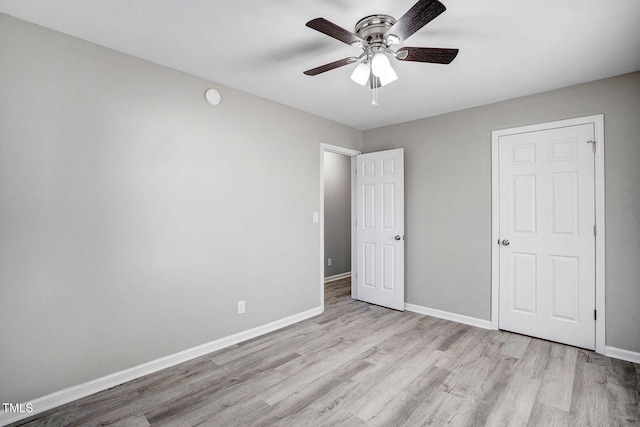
330 66
332 30
427 54
417 17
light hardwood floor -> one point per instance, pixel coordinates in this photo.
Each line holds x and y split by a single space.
360 364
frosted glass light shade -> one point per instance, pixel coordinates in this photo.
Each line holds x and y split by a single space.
361 74
388 77
380 64
381 67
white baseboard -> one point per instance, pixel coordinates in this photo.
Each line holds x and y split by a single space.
472 321
70 394
337 277
618 353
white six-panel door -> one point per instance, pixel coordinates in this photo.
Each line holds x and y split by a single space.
547 242
380 228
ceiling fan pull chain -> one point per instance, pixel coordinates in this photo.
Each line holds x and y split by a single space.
374 101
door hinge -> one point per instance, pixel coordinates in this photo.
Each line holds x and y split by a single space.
595 314
595 231
594 145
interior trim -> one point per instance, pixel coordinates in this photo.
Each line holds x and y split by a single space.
454 317
337 277
618 353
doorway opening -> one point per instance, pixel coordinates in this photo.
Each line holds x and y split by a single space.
337 216
337 204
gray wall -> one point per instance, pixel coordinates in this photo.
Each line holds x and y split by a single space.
448 197
337 213
134 216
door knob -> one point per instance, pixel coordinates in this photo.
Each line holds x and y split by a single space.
505 242
398 237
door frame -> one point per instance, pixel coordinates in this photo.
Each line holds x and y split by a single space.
598 123
351 153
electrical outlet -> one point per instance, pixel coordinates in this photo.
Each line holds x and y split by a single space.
329 262
241 307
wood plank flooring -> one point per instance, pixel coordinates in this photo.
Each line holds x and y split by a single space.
359 364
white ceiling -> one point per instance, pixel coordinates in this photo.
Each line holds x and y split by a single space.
508 48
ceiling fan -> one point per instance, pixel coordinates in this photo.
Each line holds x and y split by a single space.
375 34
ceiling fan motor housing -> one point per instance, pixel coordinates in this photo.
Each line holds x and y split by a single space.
372 30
